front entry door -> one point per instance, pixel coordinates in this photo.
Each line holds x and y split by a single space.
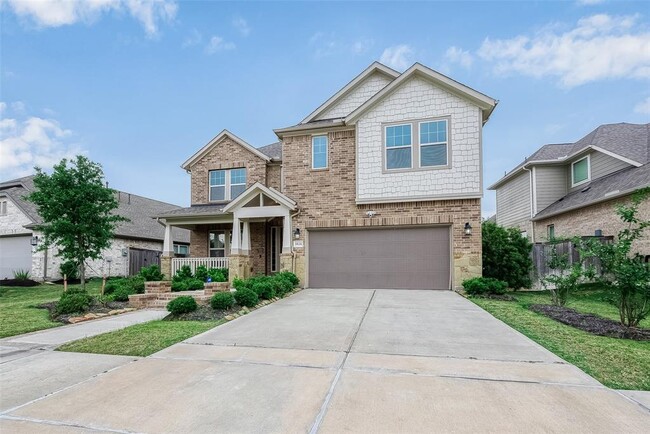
276 248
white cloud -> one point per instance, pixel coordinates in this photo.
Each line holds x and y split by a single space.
57 13
28 141
398 57
589 2
643 107
194 38
241 25
217 43
330 44
362 45
598 47
459 56
3 107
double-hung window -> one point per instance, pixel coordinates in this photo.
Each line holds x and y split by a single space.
399 149
227 184
319 152
433 143
217 244
580 171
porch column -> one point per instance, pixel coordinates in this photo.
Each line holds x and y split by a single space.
246 239
286 234
168 245
236 236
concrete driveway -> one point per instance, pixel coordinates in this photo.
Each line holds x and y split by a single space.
333 361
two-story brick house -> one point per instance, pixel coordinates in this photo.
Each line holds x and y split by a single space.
376 188
569 189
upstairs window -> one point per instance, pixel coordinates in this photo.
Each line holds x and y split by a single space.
319 152
3 207
398 147
433 143
580 171
227 184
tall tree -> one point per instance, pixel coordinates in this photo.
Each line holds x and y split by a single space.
77 210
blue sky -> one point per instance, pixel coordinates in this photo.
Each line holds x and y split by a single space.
140 85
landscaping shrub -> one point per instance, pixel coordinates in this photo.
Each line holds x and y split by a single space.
282 285
484 286
218 274
73 301
151 273
190 284
120 289
201 273
506 255
121 293
565 278
183 304
264 288
21 274
240 284
70 270
222 300
185 272
291 277
246 297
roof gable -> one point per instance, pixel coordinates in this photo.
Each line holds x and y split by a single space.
225 133
357 91
256 189
481 100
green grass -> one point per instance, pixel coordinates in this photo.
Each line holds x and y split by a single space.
142 339
617 363
18 313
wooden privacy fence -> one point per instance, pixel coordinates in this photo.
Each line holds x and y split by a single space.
139 258
177 263
541 254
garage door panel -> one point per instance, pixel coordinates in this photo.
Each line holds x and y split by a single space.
412 258
15 254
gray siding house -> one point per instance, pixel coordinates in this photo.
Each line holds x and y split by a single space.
571 189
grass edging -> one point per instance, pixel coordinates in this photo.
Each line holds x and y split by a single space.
616 363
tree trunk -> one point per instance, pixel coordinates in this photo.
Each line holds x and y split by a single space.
82 272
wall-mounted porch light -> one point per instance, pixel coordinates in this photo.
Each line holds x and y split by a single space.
296 233
468 229
34 241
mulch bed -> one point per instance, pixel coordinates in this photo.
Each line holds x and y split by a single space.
203 313
70 281
95 307
18 282
590 323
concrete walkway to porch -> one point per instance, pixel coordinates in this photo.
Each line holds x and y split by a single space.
332 361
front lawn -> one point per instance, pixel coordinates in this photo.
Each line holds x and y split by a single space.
18 311
617 363
141 339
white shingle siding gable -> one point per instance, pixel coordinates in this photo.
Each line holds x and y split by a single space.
362 93
419 99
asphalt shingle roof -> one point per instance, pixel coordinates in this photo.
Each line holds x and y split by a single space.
139 210
612 185
194 211
274 150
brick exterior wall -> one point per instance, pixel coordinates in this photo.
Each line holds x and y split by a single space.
327 200
226 154
586 220
273 176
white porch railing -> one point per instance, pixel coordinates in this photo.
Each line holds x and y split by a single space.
177 263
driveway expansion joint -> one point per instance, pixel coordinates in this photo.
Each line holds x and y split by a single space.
63 424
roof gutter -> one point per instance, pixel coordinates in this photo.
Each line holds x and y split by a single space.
280 132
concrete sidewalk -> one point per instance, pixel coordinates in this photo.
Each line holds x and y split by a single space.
332 361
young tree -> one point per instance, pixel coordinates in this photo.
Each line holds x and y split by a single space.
76 208
626 273
567 275
506 255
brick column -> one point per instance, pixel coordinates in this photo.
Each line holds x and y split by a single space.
166 266
239 267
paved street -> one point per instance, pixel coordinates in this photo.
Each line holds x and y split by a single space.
329 361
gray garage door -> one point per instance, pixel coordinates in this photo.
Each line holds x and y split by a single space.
409 258
15 254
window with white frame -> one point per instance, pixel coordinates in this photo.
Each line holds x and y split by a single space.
398 144
433 143
227 184
217 244
580 171
319 147
3 207
181 250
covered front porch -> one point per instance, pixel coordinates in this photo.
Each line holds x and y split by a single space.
250 235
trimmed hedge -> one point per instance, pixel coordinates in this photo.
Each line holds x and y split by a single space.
222 300
246 297
73 301
182 304
484 286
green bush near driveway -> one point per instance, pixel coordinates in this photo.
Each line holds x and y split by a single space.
182 304
222 300
73 301
484 286
246 297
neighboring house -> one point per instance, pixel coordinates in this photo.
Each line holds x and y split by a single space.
373 189
137 243
570 189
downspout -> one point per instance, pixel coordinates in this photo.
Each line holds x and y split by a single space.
532 200
293 253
